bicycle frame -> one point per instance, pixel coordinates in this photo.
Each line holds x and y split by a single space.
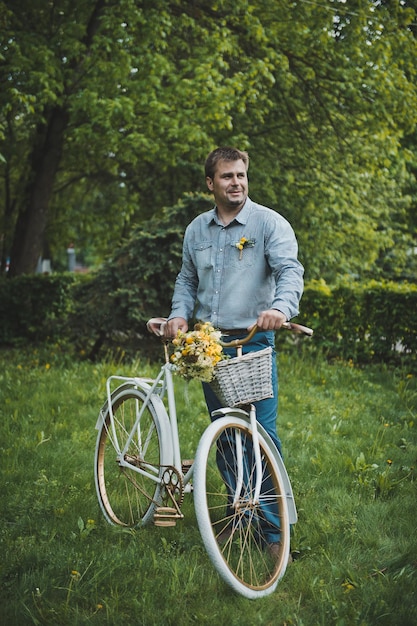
163 387
158 388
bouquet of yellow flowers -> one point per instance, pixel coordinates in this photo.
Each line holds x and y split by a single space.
197 352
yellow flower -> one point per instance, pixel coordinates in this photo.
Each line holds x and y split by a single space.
244 242
348 585
197 352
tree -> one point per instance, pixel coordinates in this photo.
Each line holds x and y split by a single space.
47 131
335 133
322 94
100 90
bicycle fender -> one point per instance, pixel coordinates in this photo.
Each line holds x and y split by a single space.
241 414
105 406
131 383
160 411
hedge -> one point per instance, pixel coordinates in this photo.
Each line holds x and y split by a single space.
362 322
32 307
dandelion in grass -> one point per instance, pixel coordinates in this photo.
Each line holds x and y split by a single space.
197 352
348 586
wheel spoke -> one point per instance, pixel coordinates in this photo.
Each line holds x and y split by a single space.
128 497
235 529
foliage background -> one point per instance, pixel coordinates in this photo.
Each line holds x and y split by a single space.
110 107
107 111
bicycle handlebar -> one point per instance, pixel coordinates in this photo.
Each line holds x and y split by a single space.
156 325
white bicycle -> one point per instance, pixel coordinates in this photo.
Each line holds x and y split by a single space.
140 478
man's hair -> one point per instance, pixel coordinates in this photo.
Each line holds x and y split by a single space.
224 154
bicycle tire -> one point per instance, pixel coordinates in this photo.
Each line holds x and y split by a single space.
126 497
243 559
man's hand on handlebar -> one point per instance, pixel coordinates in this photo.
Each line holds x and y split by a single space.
174 325
272 319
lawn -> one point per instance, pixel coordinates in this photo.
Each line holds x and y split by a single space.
350 445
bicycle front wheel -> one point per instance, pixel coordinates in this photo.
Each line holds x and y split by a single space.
246 540
128 494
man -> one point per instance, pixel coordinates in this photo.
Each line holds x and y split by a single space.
239 269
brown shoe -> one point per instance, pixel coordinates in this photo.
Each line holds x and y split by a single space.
224 535
274 550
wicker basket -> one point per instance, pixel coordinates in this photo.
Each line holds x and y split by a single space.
244 379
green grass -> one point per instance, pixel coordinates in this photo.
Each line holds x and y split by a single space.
350 447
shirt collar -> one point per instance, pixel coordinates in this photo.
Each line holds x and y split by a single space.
242 217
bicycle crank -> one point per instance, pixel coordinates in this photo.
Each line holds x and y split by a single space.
172 491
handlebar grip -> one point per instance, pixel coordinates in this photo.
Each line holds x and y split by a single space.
298 328
156 325
295 328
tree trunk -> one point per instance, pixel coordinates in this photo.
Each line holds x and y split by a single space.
48 145
32 219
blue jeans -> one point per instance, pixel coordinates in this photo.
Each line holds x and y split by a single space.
266 414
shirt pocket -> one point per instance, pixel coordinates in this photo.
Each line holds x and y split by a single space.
241 259
202 254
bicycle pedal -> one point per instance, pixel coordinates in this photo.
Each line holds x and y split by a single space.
166 516
186 464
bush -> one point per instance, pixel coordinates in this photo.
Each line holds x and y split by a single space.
135 284
364 322
33 307
108 309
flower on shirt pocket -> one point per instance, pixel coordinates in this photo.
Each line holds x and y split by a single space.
202 252
243 252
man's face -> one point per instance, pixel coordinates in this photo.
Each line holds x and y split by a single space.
229 185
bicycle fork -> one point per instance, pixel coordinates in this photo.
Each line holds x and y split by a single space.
240 461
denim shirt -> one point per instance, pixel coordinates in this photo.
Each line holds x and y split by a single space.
228 287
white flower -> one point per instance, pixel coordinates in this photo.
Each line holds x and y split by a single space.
197 352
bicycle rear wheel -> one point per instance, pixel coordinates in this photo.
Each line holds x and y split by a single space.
127 497
237 532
